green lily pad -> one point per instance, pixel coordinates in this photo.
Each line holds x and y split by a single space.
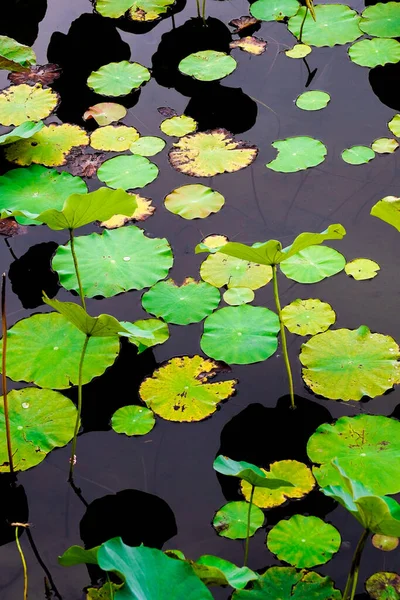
180 390
384 145
375 52
118 78
362 268
240 335
219 270
146 333
40 420
236 296
308 317
105 113
147 146
381 20
248 472
349 364
189 303
208 65
358 155
298 51
274 10
394 125
114 262
194 201
178 126
230 520
45 349
213 570
127 172
297 154
386 543
24 131
133 420
388 210
14 56
138 10
114 138
334 24
314 100
383 586
313 264
209 153
21 103
304 541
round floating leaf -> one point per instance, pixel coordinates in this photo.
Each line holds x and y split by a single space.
40 420
143 211
49 146
105 113
388 210
14 56
385 146
314 100
240 334
375 52
237 296
178 126
208 65
194 201
296 473
358 155
127 172
298 51
250 44
189 303
114 138
334 24
133 420
386 543
348 364
313 264
20 103
220 269
308 317
274 10
26 130
394 125
114 262
381 20
146 333
45 349
367 448
118 78
362 268
147 146
383 586
304 541
179 389
209 153
296 154
230 521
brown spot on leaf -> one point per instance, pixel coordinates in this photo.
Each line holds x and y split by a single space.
44 74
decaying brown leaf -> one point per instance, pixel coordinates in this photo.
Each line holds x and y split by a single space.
9 227
243 22
250 44
85 164
44 74
143 211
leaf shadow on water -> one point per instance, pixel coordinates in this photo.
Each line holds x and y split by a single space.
20 19
14 508
384 83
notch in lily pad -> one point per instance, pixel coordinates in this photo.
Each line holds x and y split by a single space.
296 154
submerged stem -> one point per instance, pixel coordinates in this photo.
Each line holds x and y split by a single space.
23 563
351 584
4 372
246 551
283 336
78 416
78 277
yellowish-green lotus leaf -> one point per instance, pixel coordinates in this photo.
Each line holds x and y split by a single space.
250 44
388 210
362 268
212 243
383 586
105 113
143 211
313 100
14 56
149 10
20 103
308 317
394 125
114 138
118 78
238 295
180 390
298 51
385 145
178 126
194 201
207 65
147 146
220 269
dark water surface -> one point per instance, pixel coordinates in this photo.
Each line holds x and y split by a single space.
162 489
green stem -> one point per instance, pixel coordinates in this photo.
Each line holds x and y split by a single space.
283 335
203 12
78 277
302 26
4 372
78 416
246 551
351 584
198 9
23 563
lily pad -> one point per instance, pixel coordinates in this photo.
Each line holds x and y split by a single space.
334 24
133 420
21 103
250 44
143 211
314 100
298 51
304 541
349 364
118 78
209 153
242 23
388 210
26 130
297 154
147 146
394 125
230 520
178 126
308 317
375 52
385 543
40 420
358 155
180 390
208 65
194 201
189 303
236 296
384 145
362 268
313 264
240 335
114 262
213 570
127 172
274 10
139 10
383 586
146 333
15 56
114 138
212 243
105 113
381 20
219 269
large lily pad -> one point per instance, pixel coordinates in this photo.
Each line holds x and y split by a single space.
15 56
180 390
388 210
297 154
274 10
133 420
40 420
313 264
348 364
358 155
127 172
194 201
178 126
362 269
24 131
114 138
240 334
334 24
114 262
219 270
208 65
209 153
230 520
118 78
146 333
21 103
381 20
308 317
383 586
375 52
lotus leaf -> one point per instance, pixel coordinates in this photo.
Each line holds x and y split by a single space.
298 51
243 23
189 303
127 172
362 268
45 349
381 20
384 145
236 296
394 125
209 153
378 51
146 333
147 146
213 570
208 65
143 211
348 364
114 138
304 541
219 270
194 201
133 420
299 483
308 317
240 335
49 146
105 113
383 586
358 155
386 543
113 8
14 56
388 210
180 390
314 100
21 103
118 78
334 24
248 472
250 44
178 126
230 520
40 420
114 262
274 10
297 154
313 264
26 130
76 555
212 243
149 10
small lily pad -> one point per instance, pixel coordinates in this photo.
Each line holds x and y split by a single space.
299 51
114 138
133 420
314 100
194 201
297 154
238 295
15 56
385 145
24 131
383 586
118 78
21 103
127 172
381 20
388 210
178 126
334 24
375 52
358 155
394 125
208 65
230 520
105 113
146 333
274 10
313 264
308 317
386 543
143 211
147 146
220 269
362 268
250 44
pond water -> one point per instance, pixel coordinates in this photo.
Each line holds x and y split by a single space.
161 489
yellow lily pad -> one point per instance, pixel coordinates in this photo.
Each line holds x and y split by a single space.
20 103
308 317
220 269
362 268
114 138
143 211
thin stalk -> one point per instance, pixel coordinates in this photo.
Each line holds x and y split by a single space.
198 9
23 563
351 584
78 277
246 550
302 26
203 12
283 336
4 372
78 416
